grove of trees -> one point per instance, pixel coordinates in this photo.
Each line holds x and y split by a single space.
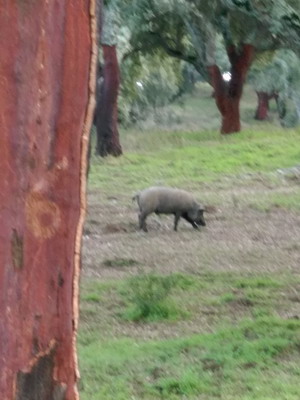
197 32
275 75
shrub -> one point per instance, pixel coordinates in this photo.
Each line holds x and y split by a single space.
148 297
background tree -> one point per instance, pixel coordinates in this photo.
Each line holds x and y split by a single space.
149 83
188 29
47 72
108 141
275 76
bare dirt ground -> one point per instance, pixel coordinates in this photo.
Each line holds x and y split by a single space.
237 237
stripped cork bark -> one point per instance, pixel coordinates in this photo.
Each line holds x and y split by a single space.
47 81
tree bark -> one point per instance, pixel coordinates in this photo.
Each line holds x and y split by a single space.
108 141
228 94
47 73
262 109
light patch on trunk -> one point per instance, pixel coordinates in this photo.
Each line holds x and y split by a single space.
43 216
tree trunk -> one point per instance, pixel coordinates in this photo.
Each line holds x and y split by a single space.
47 70
281 108
107 108
231 116
262 110
228 94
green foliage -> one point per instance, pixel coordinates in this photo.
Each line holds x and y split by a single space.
270 76
148 297
149 83
111 23
279 75
198 33
264 24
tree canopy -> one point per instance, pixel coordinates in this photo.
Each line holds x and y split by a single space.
214 37
186 28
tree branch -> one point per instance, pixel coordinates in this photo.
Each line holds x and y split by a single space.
130 52
172 51
177 53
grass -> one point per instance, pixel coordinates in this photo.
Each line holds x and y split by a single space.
148 297
196 155
207 334
249 354
289 201
204 161
245 361
187 293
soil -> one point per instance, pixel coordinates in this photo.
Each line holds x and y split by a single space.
237 239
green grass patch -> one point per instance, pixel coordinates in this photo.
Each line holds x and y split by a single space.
91 297
148 297
152 297
244 356
227 298
231 363
288 200
195 152
199 158
258 282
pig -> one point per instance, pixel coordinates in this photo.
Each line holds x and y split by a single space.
167 200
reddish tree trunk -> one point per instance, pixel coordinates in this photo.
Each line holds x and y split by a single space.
231 121
228 94
262 109
107 108
46 105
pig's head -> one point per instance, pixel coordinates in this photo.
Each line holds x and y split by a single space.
197 215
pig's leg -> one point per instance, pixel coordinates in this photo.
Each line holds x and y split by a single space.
142 221
176 220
